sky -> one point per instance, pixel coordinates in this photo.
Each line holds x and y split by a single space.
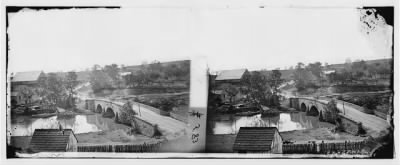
227 37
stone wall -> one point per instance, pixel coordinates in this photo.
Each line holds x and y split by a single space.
354 106
179 117
349 125
89 104
144 127
294 103
156 110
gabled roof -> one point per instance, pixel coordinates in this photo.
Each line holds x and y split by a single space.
254 138
231 74
50 140
26 76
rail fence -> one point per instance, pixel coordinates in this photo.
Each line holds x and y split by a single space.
121 148
325 148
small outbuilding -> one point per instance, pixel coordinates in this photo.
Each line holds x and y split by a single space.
258 140
53 140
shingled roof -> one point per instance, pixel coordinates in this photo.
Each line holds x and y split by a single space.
50 140
254 139
26 76
231 74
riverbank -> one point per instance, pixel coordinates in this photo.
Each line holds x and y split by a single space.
318 135
214 115
224 143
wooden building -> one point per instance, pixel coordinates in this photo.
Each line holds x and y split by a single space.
53 140
258 140
23 81
233 78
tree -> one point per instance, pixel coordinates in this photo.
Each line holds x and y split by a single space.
358 70
70 85
99 79
300 76
41 90
26 93
275 81
55 87
331 113
315 69
113 72
230 91
258 88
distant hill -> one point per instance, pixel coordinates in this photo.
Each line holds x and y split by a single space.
288 73
368 62
134 68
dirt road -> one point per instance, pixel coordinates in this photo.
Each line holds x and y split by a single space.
373 124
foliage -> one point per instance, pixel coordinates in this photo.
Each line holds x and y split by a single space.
361 71
112 72
257 88
332 111
57 91
157 73
26 93
315 69
127 114
275 80
55 88
70 83
99 79
303 77
166 104
230 90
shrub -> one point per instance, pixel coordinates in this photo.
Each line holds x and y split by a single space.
166 104
127 114
361 130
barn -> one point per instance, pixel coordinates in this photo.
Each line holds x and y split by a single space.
258 140
53 140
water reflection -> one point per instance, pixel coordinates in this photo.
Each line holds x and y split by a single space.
284 122
25 126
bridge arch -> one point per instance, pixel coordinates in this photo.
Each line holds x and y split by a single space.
99 109
109 112
303 107
313 111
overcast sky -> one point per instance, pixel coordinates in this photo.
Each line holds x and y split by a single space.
229 38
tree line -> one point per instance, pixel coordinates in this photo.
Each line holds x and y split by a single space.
151 74
258 88
357 72
53 89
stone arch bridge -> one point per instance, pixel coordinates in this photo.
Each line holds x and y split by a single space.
312 107
144 117
114 110
352 116
111 109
